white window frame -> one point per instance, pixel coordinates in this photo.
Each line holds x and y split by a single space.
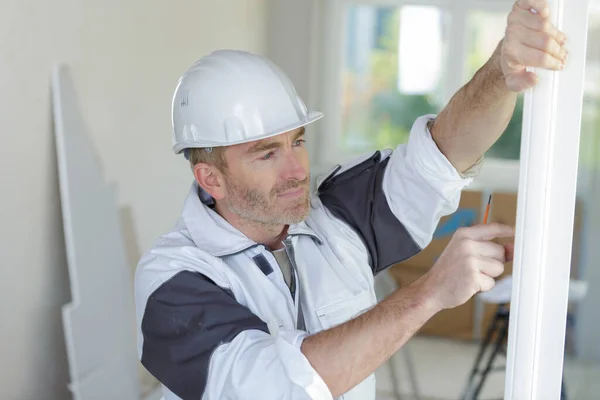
331 17
545 216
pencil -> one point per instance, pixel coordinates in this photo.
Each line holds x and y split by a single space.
487 210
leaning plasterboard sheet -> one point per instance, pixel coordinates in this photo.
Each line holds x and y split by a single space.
98 325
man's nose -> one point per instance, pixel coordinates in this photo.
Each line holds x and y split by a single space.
293 168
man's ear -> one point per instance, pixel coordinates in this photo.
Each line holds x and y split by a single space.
210 179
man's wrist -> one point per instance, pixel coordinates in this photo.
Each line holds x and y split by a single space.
494 66
419 297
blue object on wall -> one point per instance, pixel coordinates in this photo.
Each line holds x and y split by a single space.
462 217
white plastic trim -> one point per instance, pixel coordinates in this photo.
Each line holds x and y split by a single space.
545 214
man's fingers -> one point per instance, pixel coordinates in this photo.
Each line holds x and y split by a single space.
540 59
540 7
490 250
532 38
486 231
521 81
537 23
486 283
535 49
491 268
543 42
509 251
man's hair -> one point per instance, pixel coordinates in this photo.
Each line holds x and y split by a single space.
213 156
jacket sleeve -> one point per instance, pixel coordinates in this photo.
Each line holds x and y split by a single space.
199 342
394 200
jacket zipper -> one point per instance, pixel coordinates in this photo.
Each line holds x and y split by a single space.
289 250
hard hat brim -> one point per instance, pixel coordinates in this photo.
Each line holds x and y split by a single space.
310 118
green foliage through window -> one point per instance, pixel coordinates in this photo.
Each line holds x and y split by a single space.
376 114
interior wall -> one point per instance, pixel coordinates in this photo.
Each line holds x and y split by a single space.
293 43
126 57
588 316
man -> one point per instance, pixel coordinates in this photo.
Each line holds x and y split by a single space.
264 292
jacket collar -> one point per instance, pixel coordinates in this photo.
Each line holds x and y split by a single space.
212 233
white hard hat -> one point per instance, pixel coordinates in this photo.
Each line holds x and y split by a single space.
231 97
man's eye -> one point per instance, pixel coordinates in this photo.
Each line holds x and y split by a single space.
267 156
300 142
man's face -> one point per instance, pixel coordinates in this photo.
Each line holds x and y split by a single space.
268 181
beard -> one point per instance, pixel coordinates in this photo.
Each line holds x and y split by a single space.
267 208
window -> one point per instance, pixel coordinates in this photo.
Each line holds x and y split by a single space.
397 60
388 77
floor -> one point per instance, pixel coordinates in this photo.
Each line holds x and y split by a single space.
442 367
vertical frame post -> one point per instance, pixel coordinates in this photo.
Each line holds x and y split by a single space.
545 214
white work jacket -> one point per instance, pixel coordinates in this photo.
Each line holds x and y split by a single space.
216 319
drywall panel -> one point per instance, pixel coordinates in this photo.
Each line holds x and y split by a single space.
98 323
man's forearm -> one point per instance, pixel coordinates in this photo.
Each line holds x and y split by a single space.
475 117
347 354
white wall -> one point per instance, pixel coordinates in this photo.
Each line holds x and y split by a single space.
294 43
289 43
126 56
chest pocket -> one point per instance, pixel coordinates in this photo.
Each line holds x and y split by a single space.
344 310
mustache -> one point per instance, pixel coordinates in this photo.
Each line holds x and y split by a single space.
290 185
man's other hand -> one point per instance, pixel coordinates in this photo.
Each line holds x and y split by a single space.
531 40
